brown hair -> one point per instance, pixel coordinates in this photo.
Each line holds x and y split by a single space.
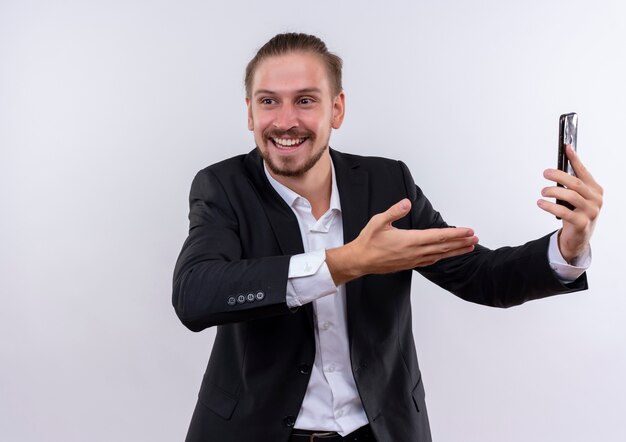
282 44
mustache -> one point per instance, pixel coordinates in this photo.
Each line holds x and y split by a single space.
290 133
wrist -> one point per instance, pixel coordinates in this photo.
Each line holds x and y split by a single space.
344 264
569 254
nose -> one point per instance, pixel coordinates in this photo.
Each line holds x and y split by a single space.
286 117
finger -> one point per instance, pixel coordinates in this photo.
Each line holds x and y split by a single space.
562 212
397 211
565 194
448 246
571 182
579 168
431 259
438 236
590 208
581 171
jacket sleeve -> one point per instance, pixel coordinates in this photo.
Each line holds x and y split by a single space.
503 277
212 283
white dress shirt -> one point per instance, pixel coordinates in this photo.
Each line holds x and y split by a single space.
332 401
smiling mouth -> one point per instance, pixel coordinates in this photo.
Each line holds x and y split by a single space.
288 143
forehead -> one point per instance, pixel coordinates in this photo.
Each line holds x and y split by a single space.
291 72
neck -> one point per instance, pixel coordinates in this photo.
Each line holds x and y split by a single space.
315 185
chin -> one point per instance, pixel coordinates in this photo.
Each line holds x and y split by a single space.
290 166
286 170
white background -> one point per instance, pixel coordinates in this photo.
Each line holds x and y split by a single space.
107 110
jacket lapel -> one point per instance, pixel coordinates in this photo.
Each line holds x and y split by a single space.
353 184
282 219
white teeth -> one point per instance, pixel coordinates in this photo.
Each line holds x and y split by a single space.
287 141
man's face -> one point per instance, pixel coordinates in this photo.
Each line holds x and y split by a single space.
292 111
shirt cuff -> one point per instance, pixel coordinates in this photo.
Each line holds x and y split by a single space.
308 278
565 272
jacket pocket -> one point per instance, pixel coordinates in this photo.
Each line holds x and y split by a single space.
218 401
419 396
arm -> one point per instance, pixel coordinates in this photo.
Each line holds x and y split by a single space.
210 272
503 277
448 256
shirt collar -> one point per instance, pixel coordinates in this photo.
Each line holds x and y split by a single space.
290 197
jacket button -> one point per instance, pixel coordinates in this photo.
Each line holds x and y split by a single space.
289 421
305 369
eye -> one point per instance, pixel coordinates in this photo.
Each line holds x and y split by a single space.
267 101
306 100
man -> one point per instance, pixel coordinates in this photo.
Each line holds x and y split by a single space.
302 256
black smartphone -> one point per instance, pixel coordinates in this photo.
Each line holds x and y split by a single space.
568 134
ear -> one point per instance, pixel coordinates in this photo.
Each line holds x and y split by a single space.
339 108
250 120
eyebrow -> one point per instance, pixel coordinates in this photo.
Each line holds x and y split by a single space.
308 90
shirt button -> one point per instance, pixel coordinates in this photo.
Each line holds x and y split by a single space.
331 368
289 421
250 297
241 299
325 325
339 413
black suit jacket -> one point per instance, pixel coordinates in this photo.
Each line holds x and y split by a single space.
232 272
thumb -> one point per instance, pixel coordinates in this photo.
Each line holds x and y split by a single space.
397 211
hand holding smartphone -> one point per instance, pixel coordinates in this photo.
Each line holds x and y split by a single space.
568 134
